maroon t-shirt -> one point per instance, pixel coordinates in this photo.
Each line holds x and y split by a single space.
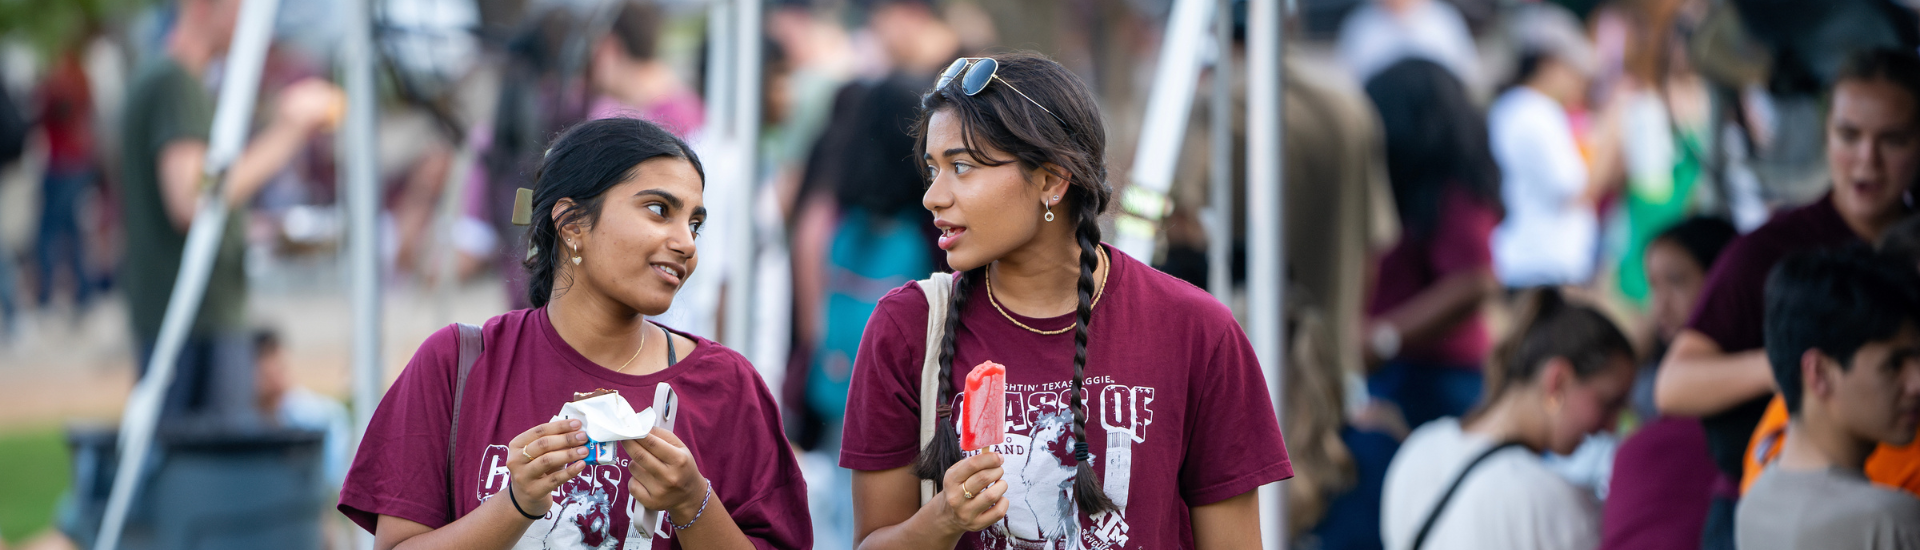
727 419
1733 302
1178 413
1458 242
1661 488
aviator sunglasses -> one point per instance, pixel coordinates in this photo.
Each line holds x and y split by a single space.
975 73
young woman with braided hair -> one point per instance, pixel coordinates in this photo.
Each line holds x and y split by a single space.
1136 416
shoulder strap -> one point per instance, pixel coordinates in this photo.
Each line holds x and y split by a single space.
1426 527
939 290
471 344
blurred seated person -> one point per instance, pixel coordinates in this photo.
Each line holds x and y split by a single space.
1843 338
1340 508
1717 367
1479 482
1662 478
284 403
1676 263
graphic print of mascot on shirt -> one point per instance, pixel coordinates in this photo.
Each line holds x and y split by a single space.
1039 466
583 507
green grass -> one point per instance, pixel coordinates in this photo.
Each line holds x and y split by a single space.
34 470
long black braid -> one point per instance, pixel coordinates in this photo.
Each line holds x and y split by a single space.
944 450
1087 489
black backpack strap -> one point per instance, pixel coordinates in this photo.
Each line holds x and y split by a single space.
471 344
1426 527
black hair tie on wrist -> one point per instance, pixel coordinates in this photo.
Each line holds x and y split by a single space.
1080 451
516 505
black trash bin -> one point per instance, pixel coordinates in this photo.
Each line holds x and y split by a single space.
204 490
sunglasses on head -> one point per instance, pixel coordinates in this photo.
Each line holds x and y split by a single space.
975 73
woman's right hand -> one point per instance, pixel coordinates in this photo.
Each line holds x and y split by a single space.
542 458
978 476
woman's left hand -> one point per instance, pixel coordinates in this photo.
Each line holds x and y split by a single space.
664 475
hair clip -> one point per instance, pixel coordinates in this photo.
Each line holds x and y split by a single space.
523 206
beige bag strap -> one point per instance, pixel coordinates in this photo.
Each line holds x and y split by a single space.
939 290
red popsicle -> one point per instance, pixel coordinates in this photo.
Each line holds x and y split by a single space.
985 420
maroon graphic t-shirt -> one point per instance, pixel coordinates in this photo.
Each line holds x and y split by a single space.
726 417
1178 413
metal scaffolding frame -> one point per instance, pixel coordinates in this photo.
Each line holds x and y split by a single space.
253 32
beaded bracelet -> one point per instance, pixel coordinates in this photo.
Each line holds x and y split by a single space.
696 515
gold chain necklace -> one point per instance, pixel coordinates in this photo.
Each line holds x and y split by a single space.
636 351
1097 292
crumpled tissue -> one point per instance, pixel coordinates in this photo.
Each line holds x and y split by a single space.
608 419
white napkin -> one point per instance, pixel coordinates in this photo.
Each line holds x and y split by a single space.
608 418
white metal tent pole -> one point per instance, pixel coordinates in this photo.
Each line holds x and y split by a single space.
254 28
738 194
719 68
1220 169
1266 274
356 143
1144 203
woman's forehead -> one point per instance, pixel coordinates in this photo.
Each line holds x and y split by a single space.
947 137
670 174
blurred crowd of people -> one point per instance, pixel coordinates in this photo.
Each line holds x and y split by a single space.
1572 274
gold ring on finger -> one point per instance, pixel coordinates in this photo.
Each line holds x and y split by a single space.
965 491
523 452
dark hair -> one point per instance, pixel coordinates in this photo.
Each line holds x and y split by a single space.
1703 238
265 339
1075 142
1435 138
1548 327
1835 301
866 155
1525 68
582 165
1894 66
1903 239
637 27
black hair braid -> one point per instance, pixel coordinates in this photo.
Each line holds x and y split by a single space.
541 266
1087 489
944 450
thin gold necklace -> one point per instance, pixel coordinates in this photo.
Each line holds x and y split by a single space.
636 351
1097 292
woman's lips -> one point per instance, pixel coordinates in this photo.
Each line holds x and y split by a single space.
670 273
948 236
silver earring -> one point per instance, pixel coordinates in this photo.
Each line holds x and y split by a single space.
1049 216
576 253
576 260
